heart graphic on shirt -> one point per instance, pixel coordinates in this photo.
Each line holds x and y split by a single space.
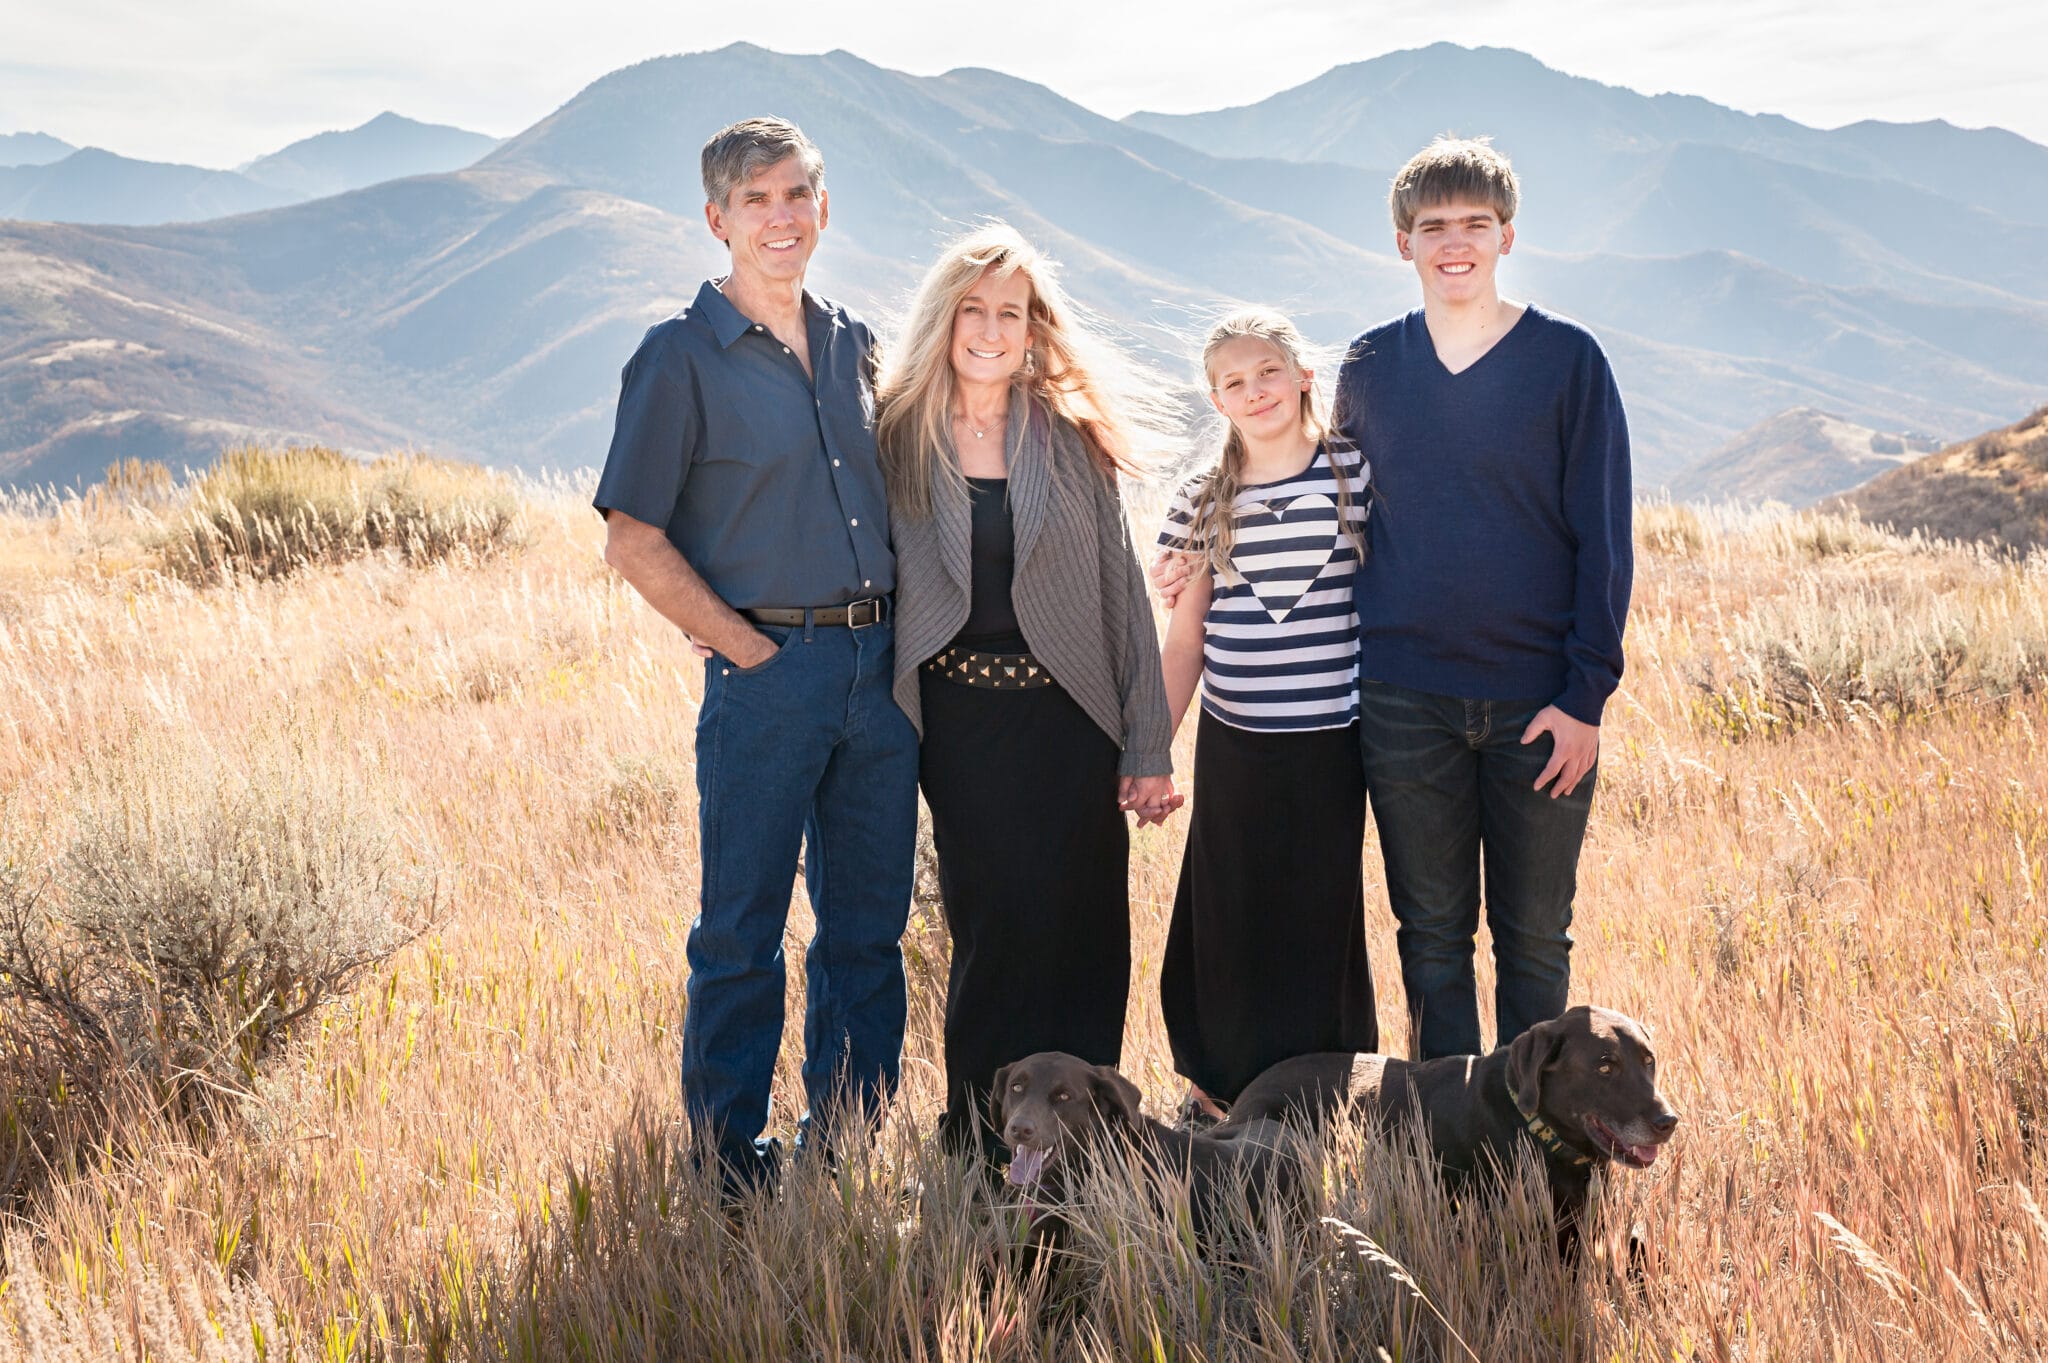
1285 576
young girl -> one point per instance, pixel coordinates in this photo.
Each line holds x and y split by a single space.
1265 957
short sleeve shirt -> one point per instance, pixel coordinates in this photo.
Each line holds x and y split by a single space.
1280 641
767 481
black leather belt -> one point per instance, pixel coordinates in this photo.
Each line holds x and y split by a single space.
854 614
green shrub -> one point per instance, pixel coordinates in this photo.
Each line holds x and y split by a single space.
204 906
265 513
1837 650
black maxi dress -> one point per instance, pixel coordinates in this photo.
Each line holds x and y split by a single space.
1033 856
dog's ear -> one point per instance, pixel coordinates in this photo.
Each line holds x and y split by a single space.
1529 1055
997 1088
1115 1097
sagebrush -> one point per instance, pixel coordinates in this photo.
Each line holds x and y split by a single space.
203 905
267 512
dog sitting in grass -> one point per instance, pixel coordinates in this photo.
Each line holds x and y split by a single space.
1055 1109
1579 1091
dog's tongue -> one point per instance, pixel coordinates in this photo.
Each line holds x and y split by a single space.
1026 1165
1645 1155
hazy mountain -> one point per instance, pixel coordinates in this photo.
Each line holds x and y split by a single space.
1798 457
1377 113
95 186
486 312
1609 170
32 149
99 187
388 147
1992 488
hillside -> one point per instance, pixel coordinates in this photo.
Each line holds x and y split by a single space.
1992 488
485 312
1797 457
1814 869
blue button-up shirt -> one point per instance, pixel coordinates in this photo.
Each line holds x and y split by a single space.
767 481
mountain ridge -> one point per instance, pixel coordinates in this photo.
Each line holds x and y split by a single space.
486 311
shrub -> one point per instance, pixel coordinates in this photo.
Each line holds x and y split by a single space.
203 908
1837 650
267 513
1825 535
1672 528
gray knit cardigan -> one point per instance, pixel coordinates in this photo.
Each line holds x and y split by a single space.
1078 591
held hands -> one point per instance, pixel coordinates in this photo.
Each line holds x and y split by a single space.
1170 572
1152 798
1575 746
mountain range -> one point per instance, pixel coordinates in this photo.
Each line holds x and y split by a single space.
32 149
50 181
1735 266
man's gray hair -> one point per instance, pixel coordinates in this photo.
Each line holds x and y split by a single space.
738 152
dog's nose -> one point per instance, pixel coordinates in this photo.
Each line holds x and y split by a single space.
1018 1130
1664 1124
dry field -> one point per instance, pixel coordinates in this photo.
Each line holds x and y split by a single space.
1815 870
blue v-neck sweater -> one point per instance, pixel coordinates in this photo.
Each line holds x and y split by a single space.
1501 559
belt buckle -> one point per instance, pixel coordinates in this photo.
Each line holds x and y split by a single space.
874 605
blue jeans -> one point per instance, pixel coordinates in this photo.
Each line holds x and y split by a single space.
1452 787
808 752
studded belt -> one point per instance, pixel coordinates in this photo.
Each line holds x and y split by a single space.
995 671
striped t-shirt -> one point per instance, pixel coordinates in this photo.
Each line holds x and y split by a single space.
1280 641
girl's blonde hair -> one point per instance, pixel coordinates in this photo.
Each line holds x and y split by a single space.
1068 366
1213 529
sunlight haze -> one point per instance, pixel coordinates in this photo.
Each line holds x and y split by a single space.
217 82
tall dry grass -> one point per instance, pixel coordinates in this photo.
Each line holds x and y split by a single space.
1832 919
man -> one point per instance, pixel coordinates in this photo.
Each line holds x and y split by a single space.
1490 605
743 499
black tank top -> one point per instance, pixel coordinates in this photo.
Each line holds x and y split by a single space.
991 620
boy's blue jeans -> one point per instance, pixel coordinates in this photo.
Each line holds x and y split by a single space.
1453 787
807 753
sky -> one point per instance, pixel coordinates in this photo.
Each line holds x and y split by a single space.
220 82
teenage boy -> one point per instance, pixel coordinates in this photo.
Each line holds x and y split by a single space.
1490 605
1491 612
743 499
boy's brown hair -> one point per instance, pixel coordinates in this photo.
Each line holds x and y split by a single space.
1454 168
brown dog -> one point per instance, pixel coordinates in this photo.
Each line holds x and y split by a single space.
1579 1090
1053 1107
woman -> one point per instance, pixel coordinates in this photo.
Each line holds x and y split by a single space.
1025 656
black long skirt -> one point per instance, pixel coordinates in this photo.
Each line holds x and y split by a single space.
1033 858
1265 956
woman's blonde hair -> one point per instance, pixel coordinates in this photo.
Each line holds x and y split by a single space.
1068 366
1213 529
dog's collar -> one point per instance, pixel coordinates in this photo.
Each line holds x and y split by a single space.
1545 1135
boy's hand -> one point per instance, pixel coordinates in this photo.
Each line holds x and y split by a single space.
1575 747
1169 572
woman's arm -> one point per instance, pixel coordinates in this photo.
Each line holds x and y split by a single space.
1181 658
1148 742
